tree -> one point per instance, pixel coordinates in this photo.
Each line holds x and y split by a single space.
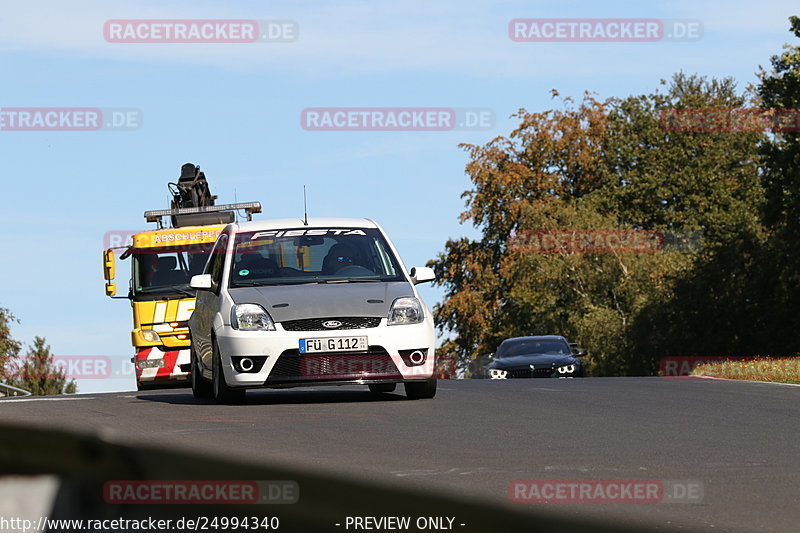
38 372
8 346
779 90
602 166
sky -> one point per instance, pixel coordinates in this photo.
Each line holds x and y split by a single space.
235 109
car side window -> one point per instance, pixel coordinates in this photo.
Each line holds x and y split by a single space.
217 261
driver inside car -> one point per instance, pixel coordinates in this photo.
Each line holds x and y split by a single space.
339 256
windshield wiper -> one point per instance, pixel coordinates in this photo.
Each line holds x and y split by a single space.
348 281
187 292
156 290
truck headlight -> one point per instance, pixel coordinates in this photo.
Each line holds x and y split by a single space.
405 310
251 317
150 336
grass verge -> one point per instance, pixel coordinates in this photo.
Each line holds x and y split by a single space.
758 369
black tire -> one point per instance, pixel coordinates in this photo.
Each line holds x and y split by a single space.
201 389
381 388
420 390
223 394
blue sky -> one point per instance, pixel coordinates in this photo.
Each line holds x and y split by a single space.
235 110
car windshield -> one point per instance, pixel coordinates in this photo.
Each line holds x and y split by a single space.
165 271
312 255
533 346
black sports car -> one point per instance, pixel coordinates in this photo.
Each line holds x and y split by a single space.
543 356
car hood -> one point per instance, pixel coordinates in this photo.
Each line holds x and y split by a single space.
322 300
538 360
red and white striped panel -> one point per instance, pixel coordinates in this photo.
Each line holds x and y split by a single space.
171 370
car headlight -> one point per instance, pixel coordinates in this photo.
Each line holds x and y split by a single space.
406 310
251 317
567 369
496 373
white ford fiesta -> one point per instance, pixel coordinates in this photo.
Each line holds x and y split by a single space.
288 303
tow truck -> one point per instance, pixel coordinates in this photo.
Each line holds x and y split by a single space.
163 261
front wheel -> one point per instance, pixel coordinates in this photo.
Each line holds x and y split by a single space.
201 389
419 390
223 394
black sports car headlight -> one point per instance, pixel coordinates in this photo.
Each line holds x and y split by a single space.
567 370
497 373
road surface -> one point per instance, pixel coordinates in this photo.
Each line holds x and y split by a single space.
738 439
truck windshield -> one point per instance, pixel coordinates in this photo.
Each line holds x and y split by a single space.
312 255
165 271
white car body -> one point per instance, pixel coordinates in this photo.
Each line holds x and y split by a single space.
359 303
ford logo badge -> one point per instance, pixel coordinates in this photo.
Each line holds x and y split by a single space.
332 324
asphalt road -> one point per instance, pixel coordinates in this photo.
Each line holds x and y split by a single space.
740 440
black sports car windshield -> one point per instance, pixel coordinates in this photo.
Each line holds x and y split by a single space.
532 346
312 255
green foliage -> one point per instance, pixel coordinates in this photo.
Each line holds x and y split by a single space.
780 272
38 373
8 346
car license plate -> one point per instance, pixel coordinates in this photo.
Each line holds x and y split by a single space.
334 344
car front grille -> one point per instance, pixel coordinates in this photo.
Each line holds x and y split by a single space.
316 324
294 367
528 373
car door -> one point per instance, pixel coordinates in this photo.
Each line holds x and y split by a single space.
207 304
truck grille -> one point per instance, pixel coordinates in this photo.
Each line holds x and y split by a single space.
315 324
373 364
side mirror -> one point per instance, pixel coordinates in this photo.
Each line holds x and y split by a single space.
422 275
579 352
201 282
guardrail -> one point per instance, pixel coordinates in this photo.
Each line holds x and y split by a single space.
8 390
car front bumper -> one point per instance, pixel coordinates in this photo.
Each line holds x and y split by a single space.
279 363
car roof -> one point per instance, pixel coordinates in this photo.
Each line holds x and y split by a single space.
298 223
537 338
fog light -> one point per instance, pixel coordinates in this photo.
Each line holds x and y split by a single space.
414 357
249 364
